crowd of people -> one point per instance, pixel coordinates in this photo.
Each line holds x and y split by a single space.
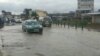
62 23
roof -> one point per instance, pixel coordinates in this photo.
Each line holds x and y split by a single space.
95 13
84 9
90 14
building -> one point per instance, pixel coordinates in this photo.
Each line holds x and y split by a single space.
85 6
7 15
41 13
95 17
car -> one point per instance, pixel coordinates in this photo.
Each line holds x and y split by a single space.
32 26
18 20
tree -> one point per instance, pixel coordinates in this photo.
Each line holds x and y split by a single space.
34 14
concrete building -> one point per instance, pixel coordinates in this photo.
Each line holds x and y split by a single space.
7 15
41 13
95 17
85 6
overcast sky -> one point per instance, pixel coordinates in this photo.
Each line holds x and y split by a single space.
48 5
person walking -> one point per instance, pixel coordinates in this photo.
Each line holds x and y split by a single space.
1 23
13 21
8 21
61 23
64 23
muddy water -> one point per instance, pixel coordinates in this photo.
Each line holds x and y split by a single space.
55 41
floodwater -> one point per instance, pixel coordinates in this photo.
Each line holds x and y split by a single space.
55 41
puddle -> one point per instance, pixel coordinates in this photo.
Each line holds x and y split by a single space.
39 54
14 45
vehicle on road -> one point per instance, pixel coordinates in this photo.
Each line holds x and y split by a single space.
32 26
46 22
18 20
1 22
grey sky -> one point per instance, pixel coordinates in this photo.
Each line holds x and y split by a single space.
48 5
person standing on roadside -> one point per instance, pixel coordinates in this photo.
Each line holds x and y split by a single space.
61 22
13 21
1 22
64 23
57 22
8 21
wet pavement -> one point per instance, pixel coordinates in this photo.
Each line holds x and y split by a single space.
55 41
1 53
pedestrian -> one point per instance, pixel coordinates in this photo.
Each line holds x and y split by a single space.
61 22
68 24
8 21
58 22
1 23
76 24
64 23
13 21
82 25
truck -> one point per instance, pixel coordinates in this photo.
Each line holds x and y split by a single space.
46 21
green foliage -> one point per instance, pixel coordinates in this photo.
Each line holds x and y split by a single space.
34 14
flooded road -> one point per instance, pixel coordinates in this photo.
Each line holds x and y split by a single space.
55 41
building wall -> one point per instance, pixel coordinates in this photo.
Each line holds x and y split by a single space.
41 13
96 19
86 5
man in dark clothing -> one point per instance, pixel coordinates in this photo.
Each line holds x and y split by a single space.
1 23
8 21
13 21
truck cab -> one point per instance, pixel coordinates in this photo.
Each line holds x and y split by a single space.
46 21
